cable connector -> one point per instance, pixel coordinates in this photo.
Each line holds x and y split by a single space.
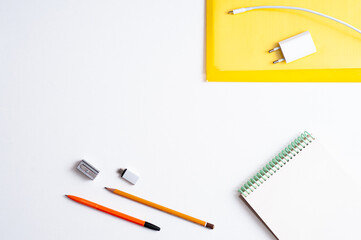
295 47
239 10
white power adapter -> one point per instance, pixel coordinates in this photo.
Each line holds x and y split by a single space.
295 47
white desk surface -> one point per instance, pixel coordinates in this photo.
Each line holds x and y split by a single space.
121 84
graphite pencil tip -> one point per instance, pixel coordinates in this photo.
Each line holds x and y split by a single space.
151 226
230 12
109 189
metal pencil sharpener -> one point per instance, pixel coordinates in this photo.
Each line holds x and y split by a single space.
87 169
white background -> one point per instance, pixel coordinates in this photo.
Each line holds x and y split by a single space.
122 84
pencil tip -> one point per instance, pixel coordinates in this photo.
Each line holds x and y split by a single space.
151 226
230 12
109 189
66 195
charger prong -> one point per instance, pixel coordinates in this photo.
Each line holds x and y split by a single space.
275 49
279 60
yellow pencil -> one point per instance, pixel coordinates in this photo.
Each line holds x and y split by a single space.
159 207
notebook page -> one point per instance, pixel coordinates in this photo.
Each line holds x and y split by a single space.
309 198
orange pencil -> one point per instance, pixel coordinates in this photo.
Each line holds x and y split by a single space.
113 212
159 207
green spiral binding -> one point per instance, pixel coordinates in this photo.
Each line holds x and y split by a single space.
276 163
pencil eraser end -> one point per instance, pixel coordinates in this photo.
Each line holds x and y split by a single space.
130 176
210 225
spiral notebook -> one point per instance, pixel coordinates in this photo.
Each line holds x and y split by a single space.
302 193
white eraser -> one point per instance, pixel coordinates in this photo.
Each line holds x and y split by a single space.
130 176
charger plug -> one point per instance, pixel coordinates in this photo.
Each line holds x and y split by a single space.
295 47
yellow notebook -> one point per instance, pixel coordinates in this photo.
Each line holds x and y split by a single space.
237 45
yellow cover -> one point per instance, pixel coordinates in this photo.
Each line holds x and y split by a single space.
237 45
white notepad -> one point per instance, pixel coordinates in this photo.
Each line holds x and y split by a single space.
309 197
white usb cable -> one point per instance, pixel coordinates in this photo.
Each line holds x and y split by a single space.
242 10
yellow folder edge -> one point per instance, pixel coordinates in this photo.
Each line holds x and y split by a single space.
308 75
